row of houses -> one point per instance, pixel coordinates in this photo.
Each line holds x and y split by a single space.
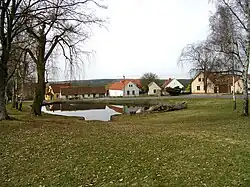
216 83
123 88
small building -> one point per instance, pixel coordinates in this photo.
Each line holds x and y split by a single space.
53 91
216 83
154 89
172 83
239 85
124 88
83 92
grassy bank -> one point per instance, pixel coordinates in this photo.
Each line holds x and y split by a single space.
205 145
111 101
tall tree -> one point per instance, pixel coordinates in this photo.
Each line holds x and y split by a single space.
200 58
238 18
57 24
224 37
11 22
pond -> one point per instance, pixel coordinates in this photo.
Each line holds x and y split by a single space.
101 112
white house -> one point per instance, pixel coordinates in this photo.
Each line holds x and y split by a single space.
172 83
239 86
198 86
123 88
154 89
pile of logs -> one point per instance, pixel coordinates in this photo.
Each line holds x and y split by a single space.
161 108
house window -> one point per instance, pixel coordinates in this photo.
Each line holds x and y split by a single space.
154 91
199 79
198 88
128 92
203 80
133 92
57 96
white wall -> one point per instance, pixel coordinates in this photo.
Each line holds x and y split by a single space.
115 93
130 87
196 82
174 83
153 87
239 86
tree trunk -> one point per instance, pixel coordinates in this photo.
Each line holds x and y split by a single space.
205 81
3 84
40 86
245 94
39 90
13 100
245 71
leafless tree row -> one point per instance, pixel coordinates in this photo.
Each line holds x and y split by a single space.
31 31
227 47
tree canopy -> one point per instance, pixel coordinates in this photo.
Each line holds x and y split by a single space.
147 78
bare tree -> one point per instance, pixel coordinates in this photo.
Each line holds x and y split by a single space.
147 78
224 38
11 21
234 26
55 24
201 59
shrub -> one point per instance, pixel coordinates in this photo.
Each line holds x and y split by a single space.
173 91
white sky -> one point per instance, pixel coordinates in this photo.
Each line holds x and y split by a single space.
146 36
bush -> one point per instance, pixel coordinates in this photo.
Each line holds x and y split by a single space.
173 91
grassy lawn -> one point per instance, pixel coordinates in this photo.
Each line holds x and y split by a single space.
206 145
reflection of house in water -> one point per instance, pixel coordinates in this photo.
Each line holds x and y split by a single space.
124 109
119 109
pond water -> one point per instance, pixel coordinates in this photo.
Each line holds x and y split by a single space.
101 112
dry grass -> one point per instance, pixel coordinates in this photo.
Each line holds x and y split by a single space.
206 145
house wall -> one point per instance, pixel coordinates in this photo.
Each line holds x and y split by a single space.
154 87
56 96
115 93
63 97
174 83
196 83
239 86
130 87
83 96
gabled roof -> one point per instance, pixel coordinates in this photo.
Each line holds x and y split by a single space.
150 84
184 82
57 87
219 78
121 84
165 84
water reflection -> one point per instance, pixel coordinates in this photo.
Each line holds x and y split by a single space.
100 112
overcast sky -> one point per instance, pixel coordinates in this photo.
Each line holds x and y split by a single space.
146 36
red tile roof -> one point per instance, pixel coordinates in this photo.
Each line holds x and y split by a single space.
117 109
57 87
166 82
120 85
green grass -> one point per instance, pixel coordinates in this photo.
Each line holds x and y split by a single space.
205 145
